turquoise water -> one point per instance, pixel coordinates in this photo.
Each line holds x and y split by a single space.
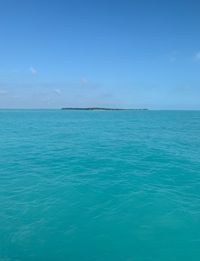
99 185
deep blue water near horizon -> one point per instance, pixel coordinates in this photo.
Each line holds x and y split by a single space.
99 185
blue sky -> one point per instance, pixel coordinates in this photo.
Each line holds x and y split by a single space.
100 53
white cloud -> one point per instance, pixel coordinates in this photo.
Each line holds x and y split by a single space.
16 96
57 91
172 59
3 92
84 81
33 71
197 56
173 56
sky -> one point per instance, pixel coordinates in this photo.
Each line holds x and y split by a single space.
110 53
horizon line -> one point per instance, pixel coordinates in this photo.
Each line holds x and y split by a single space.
98 108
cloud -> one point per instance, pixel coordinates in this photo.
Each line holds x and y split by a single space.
197 56
57 91
173 56
33 71
84 81
3 92
16 96
172 59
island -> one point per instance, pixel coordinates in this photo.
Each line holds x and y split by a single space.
99 109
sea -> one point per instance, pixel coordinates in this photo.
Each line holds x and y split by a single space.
99 185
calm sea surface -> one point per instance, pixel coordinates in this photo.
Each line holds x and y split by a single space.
99 185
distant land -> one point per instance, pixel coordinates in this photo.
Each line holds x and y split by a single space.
100 109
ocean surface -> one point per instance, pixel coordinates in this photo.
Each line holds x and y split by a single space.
99 185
